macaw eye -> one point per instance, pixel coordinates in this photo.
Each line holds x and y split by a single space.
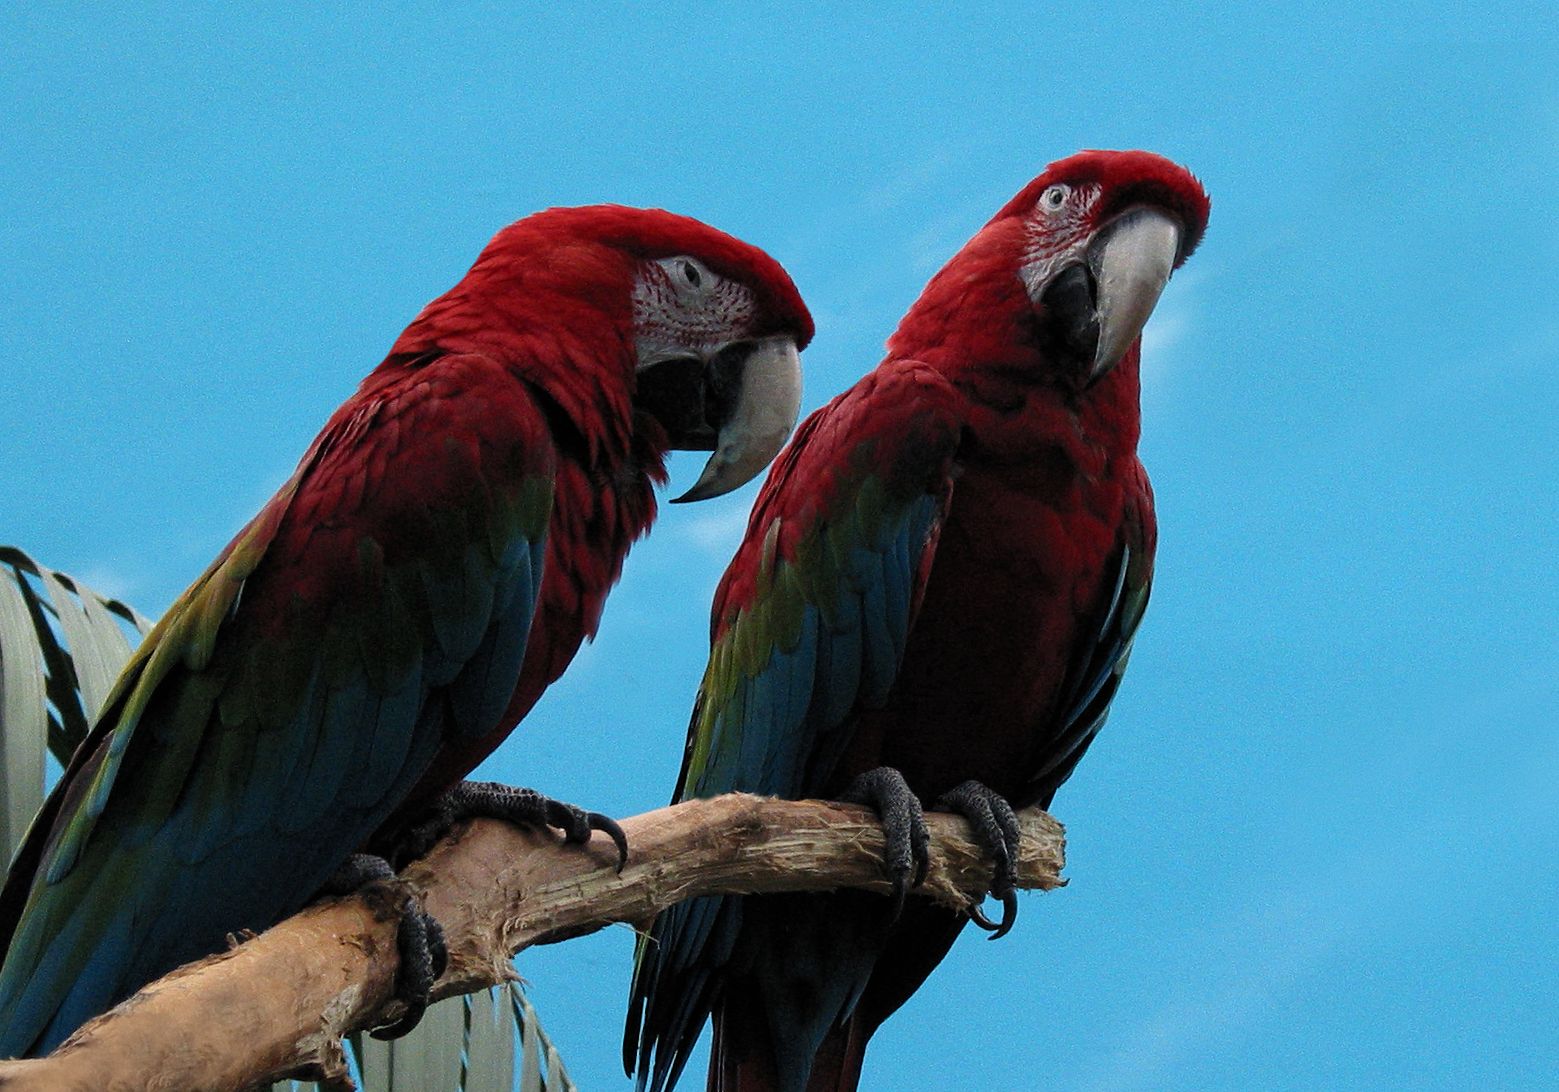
688 276
1054 197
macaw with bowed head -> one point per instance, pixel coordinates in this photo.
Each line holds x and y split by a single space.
934 603
429 569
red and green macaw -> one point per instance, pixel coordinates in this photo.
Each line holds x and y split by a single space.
383 623
934 602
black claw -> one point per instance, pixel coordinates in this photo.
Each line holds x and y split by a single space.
886 792
524 807
571 820
995 825
423 957
1009 915
355 873
438 948
419 940
402 1027
608 826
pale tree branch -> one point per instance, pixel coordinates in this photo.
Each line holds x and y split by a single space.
280 1003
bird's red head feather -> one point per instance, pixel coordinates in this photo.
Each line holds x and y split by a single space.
643 327
1124 179
655 233
1058 283
591 254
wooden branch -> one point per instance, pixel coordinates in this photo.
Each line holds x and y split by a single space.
279 1003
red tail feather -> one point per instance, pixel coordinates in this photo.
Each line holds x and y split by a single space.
837 1067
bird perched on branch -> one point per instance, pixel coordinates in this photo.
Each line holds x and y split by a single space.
429 569
933 604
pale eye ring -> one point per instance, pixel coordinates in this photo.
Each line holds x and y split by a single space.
1054 197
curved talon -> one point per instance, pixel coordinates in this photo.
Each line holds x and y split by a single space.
565 817
922 850
1009 915
524 807
423 957
901 886
912 875
609 827
578 825
404 1026
438 947
995 826
908 850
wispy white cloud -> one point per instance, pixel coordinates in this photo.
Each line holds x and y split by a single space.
929 248
1166 336
716 532
911 178
1279 938
106 579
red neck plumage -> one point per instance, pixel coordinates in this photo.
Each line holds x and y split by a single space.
547 317
976 324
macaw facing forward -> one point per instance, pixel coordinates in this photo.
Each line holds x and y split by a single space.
432 565
934 601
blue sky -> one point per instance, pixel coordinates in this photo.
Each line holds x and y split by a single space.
1315 846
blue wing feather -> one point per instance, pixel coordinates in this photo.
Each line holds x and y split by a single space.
819 638
228 778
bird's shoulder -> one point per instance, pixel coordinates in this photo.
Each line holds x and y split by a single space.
851 469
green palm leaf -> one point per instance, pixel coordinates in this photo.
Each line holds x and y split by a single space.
61 647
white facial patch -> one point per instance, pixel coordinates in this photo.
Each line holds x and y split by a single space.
1056 234
682 308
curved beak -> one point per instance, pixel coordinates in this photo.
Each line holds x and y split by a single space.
1130 261
752 396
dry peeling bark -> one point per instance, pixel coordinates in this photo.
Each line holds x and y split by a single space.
279 1003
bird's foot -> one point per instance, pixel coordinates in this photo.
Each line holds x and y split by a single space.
996 827
885 791
419 940
524 807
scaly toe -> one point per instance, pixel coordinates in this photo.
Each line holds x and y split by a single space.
423 957
995 826
522 807
908 851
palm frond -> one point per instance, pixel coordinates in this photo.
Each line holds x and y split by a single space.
61 647
490 1041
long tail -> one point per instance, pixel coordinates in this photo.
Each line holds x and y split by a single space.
750 1055
796 985
738 1064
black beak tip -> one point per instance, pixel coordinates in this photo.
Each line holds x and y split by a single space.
695 494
